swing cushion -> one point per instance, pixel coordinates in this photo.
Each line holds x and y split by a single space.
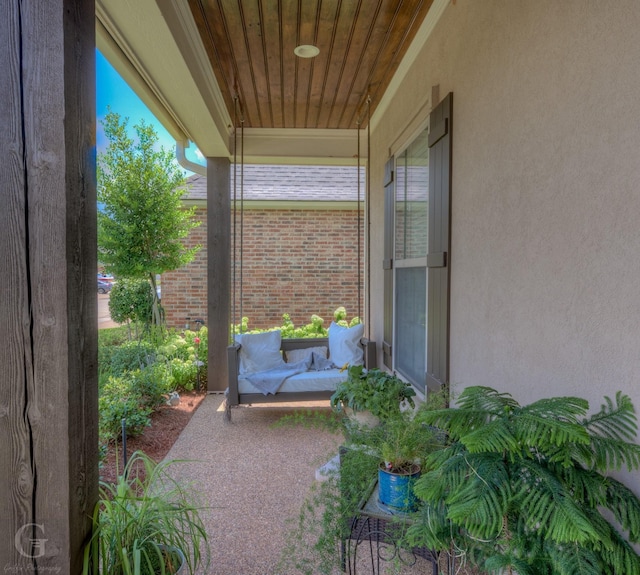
296 355
259 351
344 344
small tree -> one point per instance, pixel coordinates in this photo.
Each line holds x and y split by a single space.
142 222
131 301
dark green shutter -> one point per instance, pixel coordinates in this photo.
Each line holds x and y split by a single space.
387 264
438 258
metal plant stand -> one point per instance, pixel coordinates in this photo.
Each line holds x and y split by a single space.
375 532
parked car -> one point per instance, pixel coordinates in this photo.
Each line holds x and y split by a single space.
104 287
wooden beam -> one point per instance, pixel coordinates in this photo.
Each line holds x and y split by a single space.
218 270
48 306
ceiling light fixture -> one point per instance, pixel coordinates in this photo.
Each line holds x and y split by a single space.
306 51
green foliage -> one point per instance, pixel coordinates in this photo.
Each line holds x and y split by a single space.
314 541
133 395
315 328
182 354
404 440
142 224
131 300
141 520
136 376
325 519
119 399
130 356
527 488
108 341
376 391
153 384
112 336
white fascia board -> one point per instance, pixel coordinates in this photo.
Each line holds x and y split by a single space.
298 145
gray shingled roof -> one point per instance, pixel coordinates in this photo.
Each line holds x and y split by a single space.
303 183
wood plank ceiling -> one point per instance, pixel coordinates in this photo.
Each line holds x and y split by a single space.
250 44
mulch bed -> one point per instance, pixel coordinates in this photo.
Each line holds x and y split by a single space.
166 425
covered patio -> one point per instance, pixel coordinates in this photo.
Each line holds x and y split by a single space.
524 269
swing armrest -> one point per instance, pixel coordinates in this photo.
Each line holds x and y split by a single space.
233 359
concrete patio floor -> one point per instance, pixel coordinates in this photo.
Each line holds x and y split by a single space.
253 478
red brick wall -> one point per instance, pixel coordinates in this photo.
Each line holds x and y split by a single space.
184 291
298 262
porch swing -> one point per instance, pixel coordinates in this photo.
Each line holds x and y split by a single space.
263 367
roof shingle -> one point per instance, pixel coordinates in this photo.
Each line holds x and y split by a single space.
278 182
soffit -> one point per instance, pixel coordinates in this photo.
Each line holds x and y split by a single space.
189 60
250 45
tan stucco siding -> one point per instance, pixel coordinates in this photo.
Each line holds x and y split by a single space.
545 293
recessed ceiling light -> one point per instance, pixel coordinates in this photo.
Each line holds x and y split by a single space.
306 51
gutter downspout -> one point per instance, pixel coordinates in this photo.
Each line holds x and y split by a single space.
181 146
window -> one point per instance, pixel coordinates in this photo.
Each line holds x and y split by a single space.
416 256
410 260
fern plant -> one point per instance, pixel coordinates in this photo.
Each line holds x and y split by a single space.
526 489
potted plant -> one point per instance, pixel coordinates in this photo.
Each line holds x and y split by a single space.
328 517
528 489
145 524
405 442
373 392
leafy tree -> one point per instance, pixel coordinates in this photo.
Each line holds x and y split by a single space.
142 222
131 301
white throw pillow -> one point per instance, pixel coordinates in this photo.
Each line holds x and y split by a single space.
259 351
296 355
344 344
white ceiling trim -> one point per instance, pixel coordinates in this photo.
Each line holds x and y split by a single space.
187 36
140 44
294 145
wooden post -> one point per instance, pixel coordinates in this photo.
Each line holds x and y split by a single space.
219 270
48 302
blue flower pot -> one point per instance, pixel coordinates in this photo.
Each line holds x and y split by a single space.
395 490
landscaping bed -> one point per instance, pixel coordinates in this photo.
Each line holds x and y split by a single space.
152 382
167 424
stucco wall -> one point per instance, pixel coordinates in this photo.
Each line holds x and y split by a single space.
545 293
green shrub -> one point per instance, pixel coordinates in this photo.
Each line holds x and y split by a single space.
130 356
529 488
315 328
184 374
181 352
119 399
113 336
108 341
152 384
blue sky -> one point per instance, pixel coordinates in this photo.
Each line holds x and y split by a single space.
113 91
